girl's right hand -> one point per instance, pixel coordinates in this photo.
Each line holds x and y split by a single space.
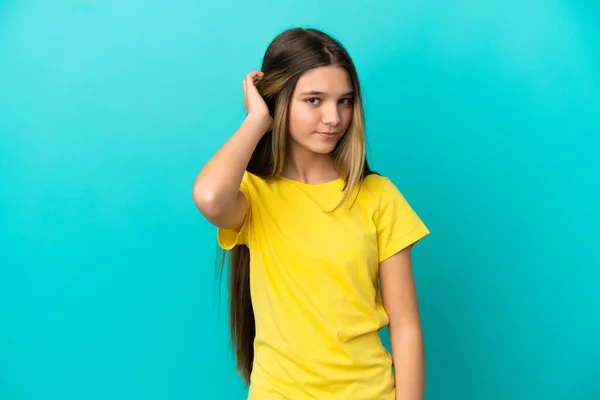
255 105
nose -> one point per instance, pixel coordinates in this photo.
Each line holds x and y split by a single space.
331 114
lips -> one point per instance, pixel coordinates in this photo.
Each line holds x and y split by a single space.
328 134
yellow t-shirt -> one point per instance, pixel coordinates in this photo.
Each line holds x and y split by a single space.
314 285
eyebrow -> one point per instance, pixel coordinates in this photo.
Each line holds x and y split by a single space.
317 93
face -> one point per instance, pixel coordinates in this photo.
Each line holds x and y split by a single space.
320 109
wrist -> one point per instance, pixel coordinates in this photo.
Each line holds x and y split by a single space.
257 123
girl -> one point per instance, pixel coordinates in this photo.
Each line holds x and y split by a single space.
320 245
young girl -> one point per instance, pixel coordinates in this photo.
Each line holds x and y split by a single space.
320 245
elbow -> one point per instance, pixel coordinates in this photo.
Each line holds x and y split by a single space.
207 202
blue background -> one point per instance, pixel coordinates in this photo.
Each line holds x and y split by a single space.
486 115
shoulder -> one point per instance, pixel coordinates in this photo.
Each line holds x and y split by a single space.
251 180
375 180
369 192
256 185
377 184
385 190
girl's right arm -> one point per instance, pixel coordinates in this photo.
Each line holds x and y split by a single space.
216 191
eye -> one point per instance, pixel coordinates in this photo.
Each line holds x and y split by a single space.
313 101
347 101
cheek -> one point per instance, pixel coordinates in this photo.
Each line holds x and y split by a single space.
302 120
347 116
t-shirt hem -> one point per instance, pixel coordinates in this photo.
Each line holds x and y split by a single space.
228 238
403 243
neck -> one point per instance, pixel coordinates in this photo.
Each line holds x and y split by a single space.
308 167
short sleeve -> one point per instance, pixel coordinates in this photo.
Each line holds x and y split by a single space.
398 225
229 238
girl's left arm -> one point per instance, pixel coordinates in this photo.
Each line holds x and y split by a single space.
399 296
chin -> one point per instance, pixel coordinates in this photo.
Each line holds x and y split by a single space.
322 149
318 146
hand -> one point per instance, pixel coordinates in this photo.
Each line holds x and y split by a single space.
255 105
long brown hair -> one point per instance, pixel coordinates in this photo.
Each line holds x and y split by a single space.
290 54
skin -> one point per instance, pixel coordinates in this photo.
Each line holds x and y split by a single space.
406 338
321 102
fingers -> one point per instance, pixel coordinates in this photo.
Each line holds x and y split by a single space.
254 77
250 90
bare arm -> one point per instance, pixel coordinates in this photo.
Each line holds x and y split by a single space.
400 302
216 190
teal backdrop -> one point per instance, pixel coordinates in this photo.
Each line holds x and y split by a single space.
485 114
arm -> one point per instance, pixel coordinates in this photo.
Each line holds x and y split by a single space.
400 302
216 190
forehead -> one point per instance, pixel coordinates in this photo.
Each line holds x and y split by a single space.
330 79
